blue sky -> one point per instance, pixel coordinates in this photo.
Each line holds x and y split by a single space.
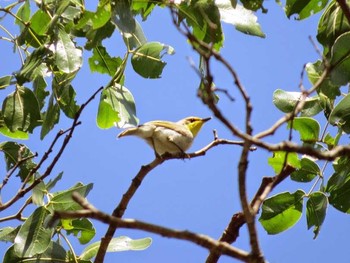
200 194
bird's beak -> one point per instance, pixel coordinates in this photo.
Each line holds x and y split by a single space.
206 119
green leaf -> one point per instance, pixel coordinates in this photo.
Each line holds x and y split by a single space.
204 18
131 30
65 94
243 19
24 14
40 22
38 194
280 212
252 4
304 8
8 234
340 115
332 141
81 226
285 101
316 208
21 110
67 56
15 152
34 66
307 172
62 201
51 184
314 72
280 159
54 253
308 128
20 135
331 25
338 185
117 244
102 62
102 15
33 238
39 85
95 36
340 60
146 60
5 81
117 106
50 118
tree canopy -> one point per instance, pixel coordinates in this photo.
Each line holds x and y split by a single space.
275 153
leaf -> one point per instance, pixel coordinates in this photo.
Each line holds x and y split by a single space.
15 152
316 208
280 212
146 60
34 66
33 238
307 172
62 201
117 106
117 244
54 253
280 159
50 118
340 60
131 30
65 94
243 19
338 185
5 81
81 226
38 194
304 8
102 62
308 128
8 234
21 110
252 4
40 22
68 58
39 85
340 115
331 25
24 14
285 101
20 135
314 72
204 19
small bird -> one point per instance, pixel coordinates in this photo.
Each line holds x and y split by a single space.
166 136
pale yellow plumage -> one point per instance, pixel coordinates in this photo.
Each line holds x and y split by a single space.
168 137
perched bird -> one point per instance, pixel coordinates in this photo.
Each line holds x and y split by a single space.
166 136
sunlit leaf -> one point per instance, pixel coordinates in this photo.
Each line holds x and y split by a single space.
308 128
102 62
280 212
304 8
117 106
286 101
117 244
281 159
341 114
307 172
33 237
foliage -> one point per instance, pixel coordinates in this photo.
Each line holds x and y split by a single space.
55 36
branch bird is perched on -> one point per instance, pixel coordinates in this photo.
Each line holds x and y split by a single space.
166 136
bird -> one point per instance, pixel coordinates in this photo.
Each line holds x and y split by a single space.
166 137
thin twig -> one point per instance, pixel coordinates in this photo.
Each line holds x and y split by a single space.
24 189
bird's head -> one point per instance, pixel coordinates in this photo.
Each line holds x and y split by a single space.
194 124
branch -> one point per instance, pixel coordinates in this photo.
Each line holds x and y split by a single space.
23 189
136 182
231 232
202 240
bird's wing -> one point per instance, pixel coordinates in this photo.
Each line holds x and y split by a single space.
174 126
